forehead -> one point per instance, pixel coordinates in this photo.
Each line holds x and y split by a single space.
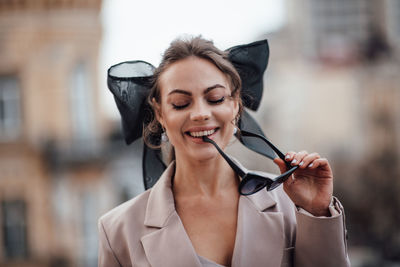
192 74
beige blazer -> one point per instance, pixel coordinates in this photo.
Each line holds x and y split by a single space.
147 231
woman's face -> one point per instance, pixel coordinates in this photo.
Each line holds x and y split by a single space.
195 101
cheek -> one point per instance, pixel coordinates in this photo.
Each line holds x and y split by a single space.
172 121
226 113
173 126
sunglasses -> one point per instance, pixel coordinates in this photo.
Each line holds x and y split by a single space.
254 181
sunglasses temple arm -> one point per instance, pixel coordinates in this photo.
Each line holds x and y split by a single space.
274 148
234 166
284 176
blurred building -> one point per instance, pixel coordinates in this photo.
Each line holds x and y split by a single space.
326 64
333 86
58 167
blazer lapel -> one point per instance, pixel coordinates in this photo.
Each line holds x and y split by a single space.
167 244
260 233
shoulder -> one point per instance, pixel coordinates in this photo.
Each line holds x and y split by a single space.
121 229
152 203
127 211
130 213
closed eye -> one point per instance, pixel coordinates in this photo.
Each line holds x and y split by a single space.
218 101
178 107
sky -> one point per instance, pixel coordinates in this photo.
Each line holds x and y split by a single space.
142 30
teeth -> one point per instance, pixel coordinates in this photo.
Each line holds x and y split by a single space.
202 133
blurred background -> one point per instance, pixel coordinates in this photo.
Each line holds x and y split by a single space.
332 86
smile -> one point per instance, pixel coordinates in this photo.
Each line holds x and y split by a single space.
202 133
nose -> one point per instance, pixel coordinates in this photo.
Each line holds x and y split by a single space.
200 111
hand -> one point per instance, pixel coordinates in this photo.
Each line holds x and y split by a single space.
311 185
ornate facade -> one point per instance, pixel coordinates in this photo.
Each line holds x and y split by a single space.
53 182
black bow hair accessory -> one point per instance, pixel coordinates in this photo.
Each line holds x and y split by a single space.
130 83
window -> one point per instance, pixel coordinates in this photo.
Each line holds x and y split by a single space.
9 108
14 229
81 104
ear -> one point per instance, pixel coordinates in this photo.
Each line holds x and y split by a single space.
235 108
157 111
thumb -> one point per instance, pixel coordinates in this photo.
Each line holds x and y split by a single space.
281 164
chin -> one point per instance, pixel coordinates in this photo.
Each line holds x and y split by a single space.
201 155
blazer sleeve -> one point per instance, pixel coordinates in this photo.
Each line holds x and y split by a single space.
321 241
107 257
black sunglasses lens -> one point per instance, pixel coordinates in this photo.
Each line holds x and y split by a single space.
274 185
251 186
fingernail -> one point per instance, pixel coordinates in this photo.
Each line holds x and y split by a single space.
293 161
301 163
287 157
309 166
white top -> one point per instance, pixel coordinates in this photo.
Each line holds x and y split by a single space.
208 263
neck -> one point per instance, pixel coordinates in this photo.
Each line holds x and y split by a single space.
208 178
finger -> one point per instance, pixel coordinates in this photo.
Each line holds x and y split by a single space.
307 160
281 164
289 156
321 162
298 157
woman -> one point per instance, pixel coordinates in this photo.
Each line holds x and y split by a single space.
194 215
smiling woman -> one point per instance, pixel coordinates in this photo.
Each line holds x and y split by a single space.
186 71
194 215
195 99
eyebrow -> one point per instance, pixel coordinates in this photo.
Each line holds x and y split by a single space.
208 89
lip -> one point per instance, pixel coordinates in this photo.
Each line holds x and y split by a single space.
201 128
199 140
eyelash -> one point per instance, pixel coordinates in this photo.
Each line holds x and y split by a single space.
212 102
179 107
222 99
